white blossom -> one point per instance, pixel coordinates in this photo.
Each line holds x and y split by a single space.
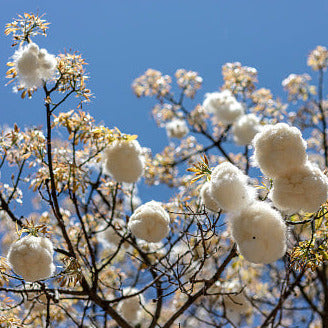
279 149
228 187
124 161
223 105
150 222
207 198
34 65
130 308
259 232
177 129
32 258
304 188
245 128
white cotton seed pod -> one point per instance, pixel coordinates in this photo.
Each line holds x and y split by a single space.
124 161
279 149
228 187
224 106
150 222
32 258
112 236
245 128
34 65
304 189
259 232
235 306
177 129
207 199
130 308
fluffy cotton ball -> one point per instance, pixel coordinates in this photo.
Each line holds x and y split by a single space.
150 222
304 189
235 306
245 128
177 129
124 161
110 235
279 149
32 258
207 199
223 105
130 308
34 65
228 187
259 232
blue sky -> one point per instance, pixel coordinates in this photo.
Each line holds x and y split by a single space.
120 39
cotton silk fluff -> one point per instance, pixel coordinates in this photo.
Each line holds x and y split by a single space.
34 65
150 222
124 160
228 187
207 199
304 189
279 149
32 258
245 128
259 232
177 129
130 308
223 105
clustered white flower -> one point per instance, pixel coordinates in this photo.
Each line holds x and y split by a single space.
34 65
32 258
112 235
150 222
280 152
207 198
245 128
228 187
258 229
131 308
259 232
224 106
177 129
124 161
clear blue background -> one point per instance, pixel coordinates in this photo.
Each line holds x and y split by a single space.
120 39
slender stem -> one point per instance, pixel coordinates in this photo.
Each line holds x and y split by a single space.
323 116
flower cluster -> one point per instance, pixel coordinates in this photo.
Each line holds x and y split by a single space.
150 222
124 161
223 105
297 86
318 58
239 78
189 81
245 128
32 258
177 129
280 152
152 83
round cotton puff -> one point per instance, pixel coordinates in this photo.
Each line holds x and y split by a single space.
228 187
223 105
279 149
32 258
177 129
130 308
124 161
304 189
33 65
111 235
259 232
207 199
150 222
235 306
245 128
